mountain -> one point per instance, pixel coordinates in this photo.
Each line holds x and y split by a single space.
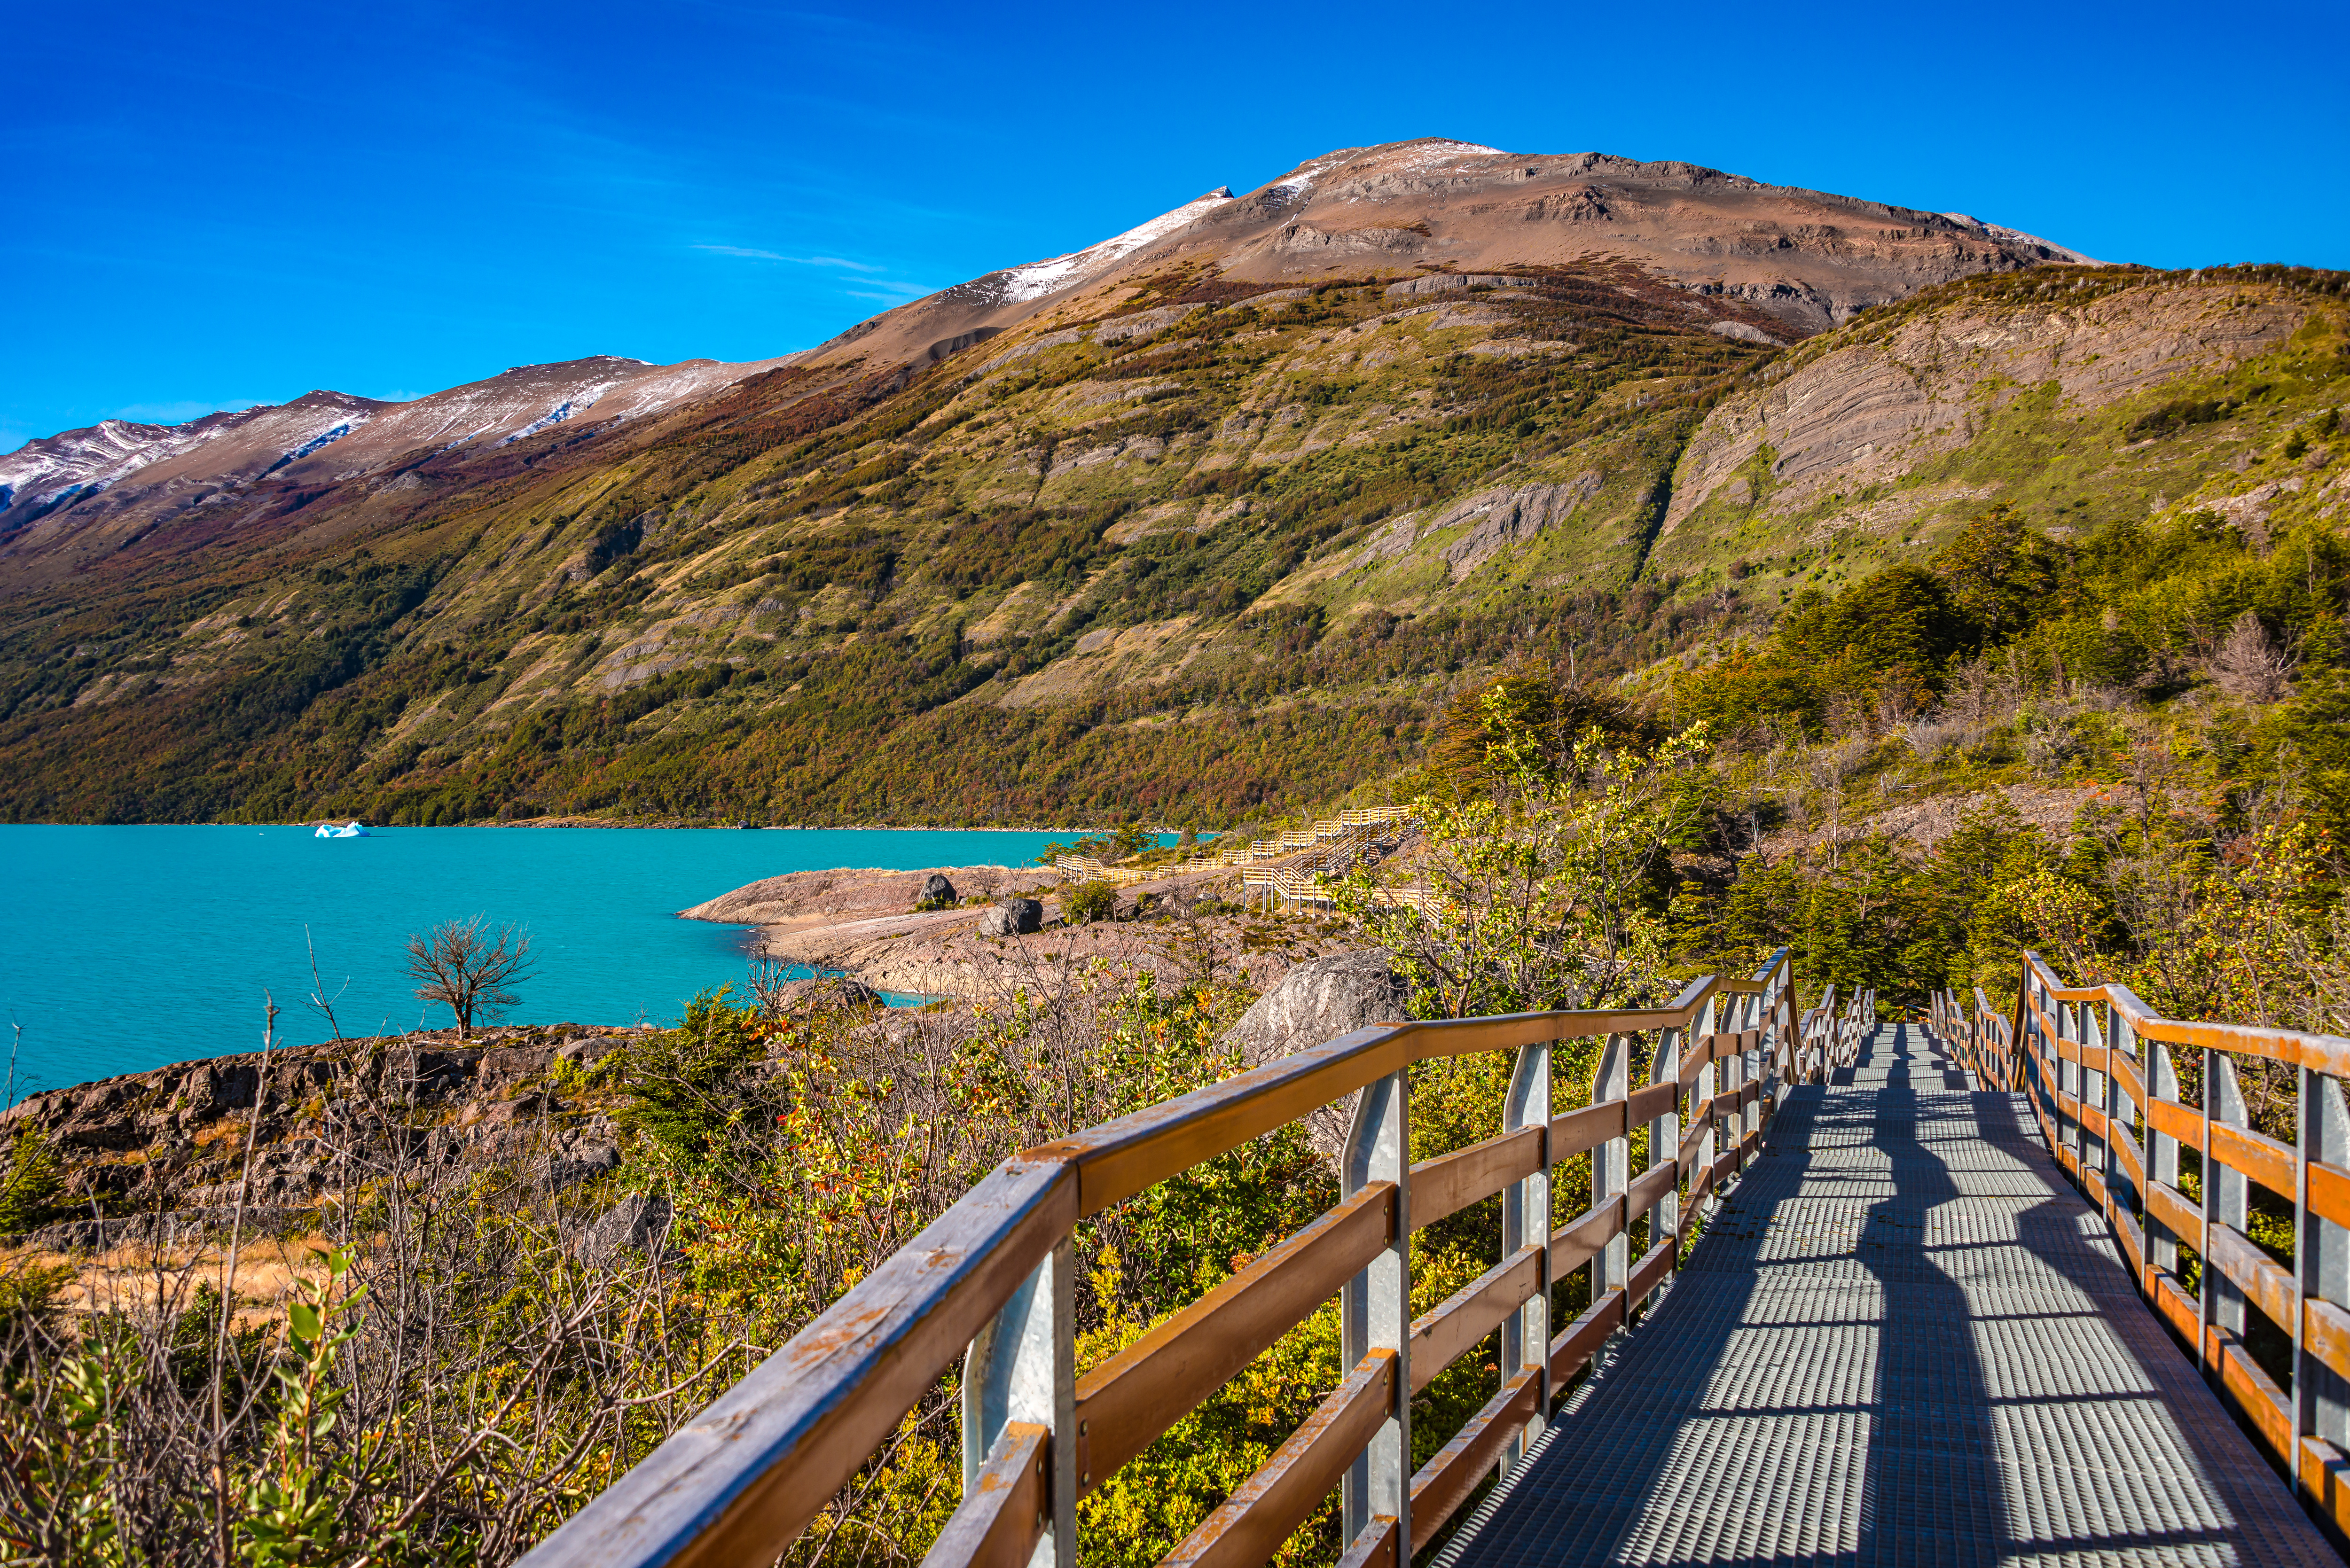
1199 523
106 488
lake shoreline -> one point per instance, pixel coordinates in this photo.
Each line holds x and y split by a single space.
253 904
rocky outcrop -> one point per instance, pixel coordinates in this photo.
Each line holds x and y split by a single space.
635 1224
937 891
1505 519
848 893
1141 324
2250 512
1871 412
1446 282
1320 1000
167 1147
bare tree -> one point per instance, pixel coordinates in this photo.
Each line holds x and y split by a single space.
2249 667
461 966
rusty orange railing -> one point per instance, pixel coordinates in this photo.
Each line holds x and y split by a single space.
2100 1072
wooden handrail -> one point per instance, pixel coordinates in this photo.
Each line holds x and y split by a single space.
992 1276
2096 1069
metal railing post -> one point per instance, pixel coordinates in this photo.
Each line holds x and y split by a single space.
1024 1367
2225 1192
1702 1089
1754 1070
2096 1089
2122 1115
2068 1075
2321 1255
1526 1223
1611 1169
2161 1157
1665 1131
1375 1310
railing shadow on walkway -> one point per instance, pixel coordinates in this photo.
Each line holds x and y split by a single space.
2098 1074
1957 1341
1663 1462
1933 1473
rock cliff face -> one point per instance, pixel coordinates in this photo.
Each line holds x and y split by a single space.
1877 407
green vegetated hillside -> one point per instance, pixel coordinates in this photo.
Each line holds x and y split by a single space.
1191 549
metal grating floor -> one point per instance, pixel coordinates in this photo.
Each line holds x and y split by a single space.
1904 1339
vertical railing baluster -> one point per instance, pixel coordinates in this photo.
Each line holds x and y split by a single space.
2322 1394
2068 1080
1752 1070
2161 1157
2122 1114
1526 1223
1376 1309
2304 1082
1665 1131
1024 1367
2225 1191
1611 1170
2092 1035
1701 1092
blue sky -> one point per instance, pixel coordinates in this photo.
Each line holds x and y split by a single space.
214 206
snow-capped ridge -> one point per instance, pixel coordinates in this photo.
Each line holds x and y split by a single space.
557 415
179 466
1033 280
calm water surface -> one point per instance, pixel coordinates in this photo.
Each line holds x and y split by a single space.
126 948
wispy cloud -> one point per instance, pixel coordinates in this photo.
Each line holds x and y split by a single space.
749 254
897 293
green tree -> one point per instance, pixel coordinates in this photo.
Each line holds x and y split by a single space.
1545 891
2000 574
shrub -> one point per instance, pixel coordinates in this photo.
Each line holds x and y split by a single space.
28 1188
1088 902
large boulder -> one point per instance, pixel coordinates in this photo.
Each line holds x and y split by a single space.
825 994
937 893
636 1224
1320 1000
1013 917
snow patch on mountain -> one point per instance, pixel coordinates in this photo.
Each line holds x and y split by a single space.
579 402
1436 153
327 437
1036 279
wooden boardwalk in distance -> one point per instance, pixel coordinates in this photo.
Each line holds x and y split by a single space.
1904 1338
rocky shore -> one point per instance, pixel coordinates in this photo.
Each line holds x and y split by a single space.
162 1156
170 1155
867 924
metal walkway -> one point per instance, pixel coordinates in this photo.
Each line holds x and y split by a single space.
1904 1339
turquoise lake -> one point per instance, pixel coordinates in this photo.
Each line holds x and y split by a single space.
123 948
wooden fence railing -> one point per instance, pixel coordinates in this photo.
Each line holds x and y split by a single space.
2102 1074
990 1284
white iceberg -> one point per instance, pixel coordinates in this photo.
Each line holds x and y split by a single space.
352 830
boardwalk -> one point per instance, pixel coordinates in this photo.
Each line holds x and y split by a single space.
1904 1339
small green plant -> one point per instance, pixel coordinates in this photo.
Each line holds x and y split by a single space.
681 1084
28 1191
1088 902
298 1503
